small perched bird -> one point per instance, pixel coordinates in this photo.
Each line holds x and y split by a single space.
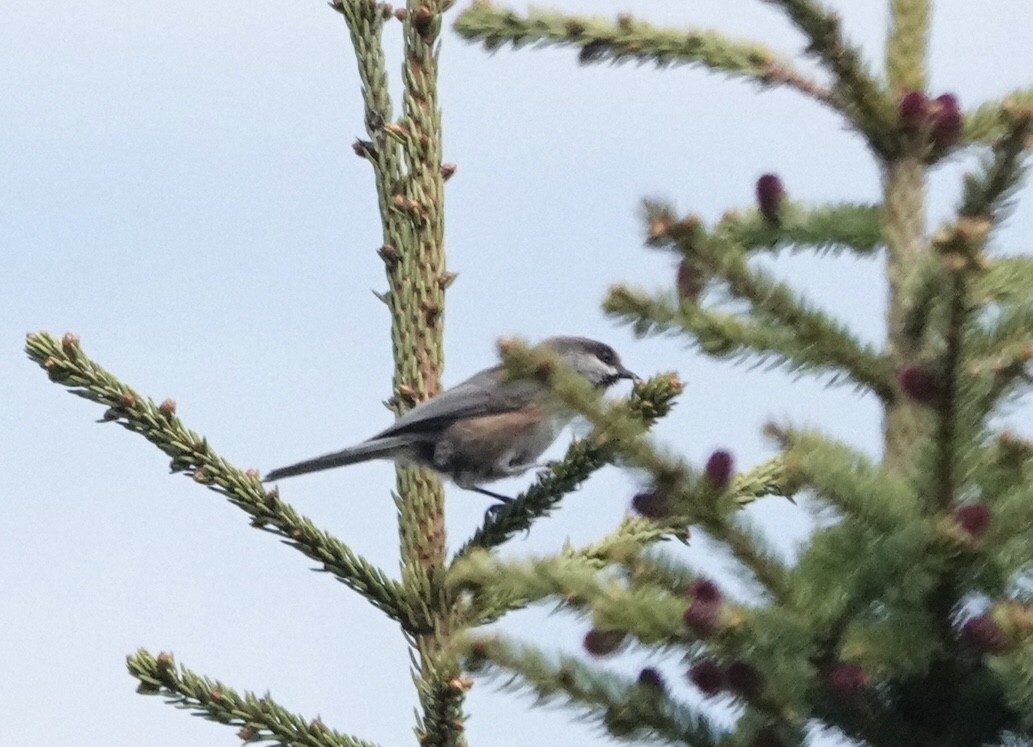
485 428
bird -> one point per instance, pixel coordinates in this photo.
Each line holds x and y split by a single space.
483 429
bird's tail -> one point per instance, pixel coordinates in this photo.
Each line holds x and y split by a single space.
379 448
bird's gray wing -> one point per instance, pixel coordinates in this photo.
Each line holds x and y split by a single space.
483 393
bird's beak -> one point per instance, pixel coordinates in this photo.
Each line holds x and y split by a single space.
624 373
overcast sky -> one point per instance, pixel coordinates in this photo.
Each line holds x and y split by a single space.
177 186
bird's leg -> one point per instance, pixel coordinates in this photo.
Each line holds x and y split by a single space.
496 496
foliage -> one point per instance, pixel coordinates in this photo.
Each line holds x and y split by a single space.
907 617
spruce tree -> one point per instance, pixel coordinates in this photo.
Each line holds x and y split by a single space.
905 620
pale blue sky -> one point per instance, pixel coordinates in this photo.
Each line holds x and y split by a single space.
177 186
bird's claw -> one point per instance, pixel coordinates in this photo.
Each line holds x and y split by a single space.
493 509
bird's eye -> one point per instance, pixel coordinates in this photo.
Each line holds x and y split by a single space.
607 356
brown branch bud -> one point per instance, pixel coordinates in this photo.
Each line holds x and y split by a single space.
70 344
364 149
423 21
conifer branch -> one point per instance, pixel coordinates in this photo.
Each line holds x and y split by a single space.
849 480
839 589
504 521
636 532
406 159
441 690
947 395
922 299
988 121
1003 474
717 334
750 546
1005 280
624 545
724 335
630 39
67 364
862 97
1010 375
783 323
961 246
260 719
417 278
1001 352
629 710
826 228
649 401
907 44
407 162
650 565
699 504
985 193
648 612
905 424
629 538
365 22
810 327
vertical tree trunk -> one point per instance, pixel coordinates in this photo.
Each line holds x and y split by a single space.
904 229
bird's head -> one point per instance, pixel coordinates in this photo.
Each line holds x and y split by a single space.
596 361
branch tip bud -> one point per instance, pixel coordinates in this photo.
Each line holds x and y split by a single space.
708 676
364 149
744 679
603 642
652 679
690 281
973 518
705 590
651 504
846 679
594 51
919 383
719 468
422 20
913 110
946 121
770 195
70 344
247 733
984 635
